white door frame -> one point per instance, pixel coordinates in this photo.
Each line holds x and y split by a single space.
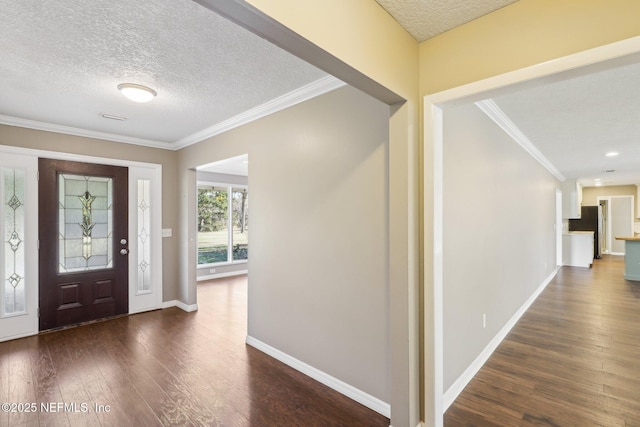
609 232
138 300
558 226
433 199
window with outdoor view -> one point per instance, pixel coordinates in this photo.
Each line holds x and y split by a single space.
223 224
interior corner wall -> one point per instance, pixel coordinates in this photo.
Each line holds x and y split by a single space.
499 233
50 141
318 278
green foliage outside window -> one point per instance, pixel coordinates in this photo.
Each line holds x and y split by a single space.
214 227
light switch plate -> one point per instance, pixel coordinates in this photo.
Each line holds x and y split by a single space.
166 232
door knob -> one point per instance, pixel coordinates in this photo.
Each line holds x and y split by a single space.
123 241
123 251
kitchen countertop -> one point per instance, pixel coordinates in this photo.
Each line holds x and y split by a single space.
630 238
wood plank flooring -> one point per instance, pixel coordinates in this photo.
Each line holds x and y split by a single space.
573 359
167 367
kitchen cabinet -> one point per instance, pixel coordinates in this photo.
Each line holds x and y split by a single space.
571 199
577 248
631 257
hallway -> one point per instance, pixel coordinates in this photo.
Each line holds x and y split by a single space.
571 360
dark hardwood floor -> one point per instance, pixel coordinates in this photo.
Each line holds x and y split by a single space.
166 367
573 359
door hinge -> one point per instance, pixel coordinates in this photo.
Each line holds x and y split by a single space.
37 175
38 311
38 244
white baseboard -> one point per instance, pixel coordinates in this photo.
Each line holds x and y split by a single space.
181 305
456 388
15 337
351 392
221 275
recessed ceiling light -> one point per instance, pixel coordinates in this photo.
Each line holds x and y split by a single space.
137 93
612 154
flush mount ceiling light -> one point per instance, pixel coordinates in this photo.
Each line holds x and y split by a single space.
612 154
137 93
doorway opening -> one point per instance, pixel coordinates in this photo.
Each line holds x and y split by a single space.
223 218
617 221
603 225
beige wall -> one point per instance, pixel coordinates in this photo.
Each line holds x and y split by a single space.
49 141
590 194
525 33
318 277
358 32
499 233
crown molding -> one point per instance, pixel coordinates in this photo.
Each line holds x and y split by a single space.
317 88
491 109
68 130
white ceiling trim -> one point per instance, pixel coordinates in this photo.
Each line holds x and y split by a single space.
317 88
68 130
494 112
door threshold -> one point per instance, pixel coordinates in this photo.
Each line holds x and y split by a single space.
75 325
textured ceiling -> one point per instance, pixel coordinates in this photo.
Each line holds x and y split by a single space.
575 122
424 19
62 61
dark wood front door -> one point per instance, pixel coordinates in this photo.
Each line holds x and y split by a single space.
83 242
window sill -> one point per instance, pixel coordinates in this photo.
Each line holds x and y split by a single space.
222 264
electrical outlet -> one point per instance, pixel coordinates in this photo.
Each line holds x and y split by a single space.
212 270
484 320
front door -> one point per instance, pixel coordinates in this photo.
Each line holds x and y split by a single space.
83 246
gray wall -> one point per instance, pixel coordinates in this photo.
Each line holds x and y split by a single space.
499 234
318 279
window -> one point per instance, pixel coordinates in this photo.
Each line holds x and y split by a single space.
223 224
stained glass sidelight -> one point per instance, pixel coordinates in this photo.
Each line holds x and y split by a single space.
13 191
85 223
144 242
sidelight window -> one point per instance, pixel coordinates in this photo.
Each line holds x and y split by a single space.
13 183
